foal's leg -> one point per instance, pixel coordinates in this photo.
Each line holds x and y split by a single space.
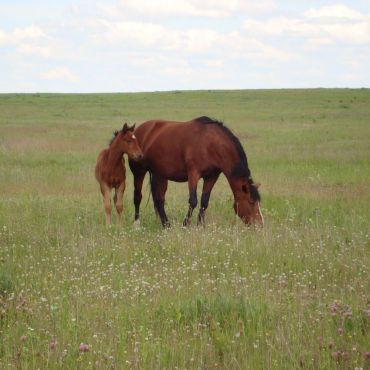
206 193
193 178
159 188
118 200
105 190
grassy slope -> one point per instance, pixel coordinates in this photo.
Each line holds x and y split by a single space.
294 295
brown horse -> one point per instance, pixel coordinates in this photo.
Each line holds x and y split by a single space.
188 151
110 168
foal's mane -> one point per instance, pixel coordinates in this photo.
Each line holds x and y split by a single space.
241 169
115 133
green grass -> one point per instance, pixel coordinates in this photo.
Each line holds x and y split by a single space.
294 295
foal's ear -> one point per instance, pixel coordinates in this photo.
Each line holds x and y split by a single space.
132 128
125 127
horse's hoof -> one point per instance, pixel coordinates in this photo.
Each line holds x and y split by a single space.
137 224
186 222
201 223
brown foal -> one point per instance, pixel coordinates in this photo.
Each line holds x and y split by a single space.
110 168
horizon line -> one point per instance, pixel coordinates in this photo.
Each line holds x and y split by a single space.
183 90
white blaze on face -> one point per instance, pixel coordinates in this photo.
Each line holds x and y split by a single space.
134 137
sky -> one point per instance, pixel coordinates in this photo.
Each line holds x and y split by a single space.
160 45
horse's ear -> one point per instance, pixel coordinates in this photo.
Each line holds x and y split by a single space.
132 128
125 127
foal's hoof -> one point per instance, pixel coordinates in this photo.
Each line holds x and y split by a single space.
137 224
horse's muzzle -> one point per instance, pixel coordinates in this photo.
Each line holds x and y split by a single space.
138 157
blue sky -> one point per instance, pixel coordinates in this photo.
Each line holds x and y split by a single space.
151 45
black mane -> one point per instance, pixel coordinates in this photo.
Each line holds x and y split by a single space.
241 169
206 120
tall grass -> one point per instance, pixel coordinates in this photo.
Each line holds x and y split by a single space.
75 294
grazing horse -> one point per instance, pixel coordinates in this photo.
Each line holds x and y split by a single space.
110 168
188 151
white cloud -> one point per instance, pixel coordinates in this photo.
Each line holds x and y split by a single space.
275 26
135 33
158 38
200 40
60 73
27 40
31 32
334 11
43 51
186 8
21 34
215 63
316 28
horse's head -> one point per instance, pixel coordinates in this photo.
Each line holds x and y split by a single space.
247 202
125 141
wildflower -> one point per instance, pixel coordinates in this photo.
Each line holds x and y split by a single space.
84 347
53 344
367 356
334 308
347 314
335 355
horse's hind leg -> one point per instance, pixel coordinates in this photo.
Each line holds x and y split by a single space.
118 200
193 178
206 193
105 190
159 188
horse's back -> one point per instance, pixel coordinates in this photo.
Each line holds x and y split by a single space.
173 148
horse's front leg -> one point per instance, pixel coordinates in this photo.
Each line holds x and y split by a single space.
206 193
193 178
138 185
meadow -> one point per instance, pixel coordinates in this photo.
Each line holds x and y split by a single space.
75 294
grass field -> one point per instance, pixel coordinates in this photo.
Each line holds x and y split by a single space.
296 295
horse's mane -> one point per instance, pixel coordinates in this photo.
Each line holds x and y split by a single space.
241 169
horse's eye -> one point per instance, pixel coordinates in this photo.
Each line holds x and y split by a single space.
244 188
129 141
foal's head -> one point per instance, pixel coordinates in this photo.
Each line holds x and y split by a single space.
247 205
126 142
